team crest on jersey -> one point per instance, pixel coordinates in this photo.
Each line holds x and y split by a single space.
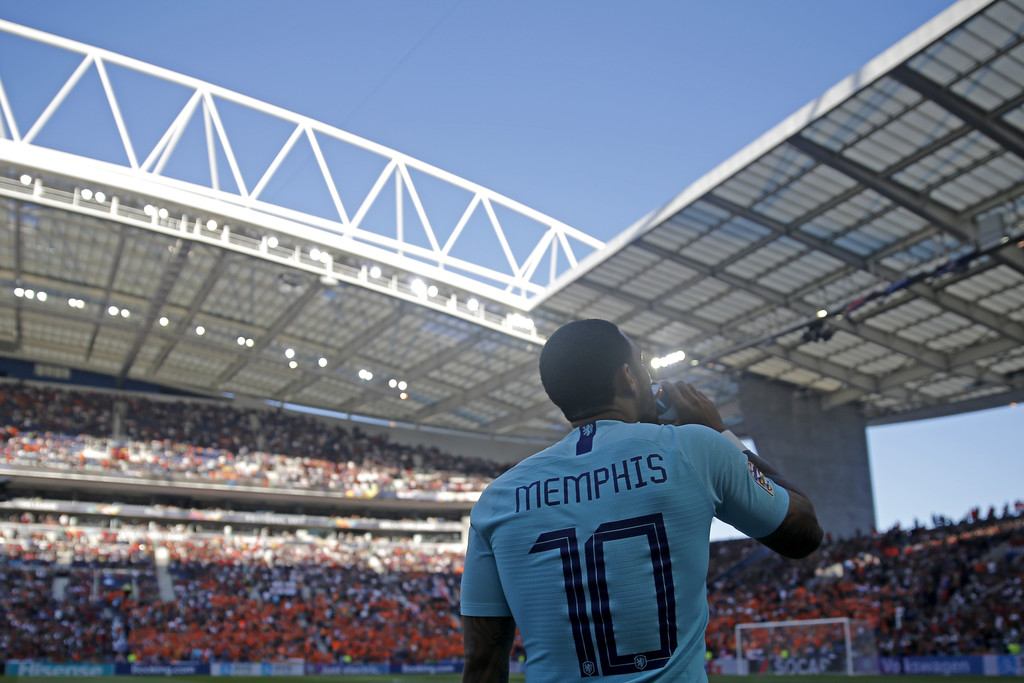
588 429
640 662
762 481
589 669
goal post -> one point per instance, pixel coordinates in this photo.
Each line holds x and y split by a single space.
806 647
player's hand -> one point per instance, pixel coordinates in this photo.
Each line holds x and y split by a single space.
692 406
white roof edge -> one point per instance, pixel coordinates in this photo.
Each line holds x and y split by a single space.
932 30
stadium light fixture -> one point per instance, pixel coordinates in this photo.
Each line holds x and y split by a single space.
30 294
402 385
694 363
211 224
392 382
289 353
125 313
473 305
293 364
272 242
670 359
164 213
419 287
375 272
113 311
520 321
26 179
149 210
86 194
822 313
321 361
100 197
42 296
200 330
241 341
365 375
249 343
403 396
19 292
164 321
314 254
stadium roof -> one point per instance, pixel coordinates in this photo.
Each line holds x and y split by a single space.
869 248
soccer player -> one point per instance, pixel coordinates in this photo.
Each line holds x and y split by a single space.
597 547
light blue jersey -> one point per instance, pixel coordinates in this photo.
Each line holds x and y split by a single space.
598 547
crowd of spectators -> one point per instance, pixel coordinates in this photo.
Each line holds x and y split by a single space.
89 593
949 590
74 431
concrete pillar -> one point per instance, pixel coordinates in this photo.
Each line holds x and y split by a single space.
823 452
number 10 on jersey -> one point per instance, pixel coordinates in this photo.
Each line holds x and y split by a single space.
613 662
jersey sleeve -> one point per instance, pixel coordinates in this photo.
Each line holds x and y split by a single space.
742 495
482 595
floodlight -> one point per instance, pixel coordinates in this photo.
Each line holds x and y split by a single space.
520 321
403 396
164 213
375 272
293 364
125 313
249 343
19 292
200 330
73 303
211 224
473 305
241 341
392 382
164 321
113 310
694 363
365 375
30 294
86 194
402 385
321 361
149 210
100 197
41 296
272 242
669 359
419 287
432 290
26 179
314 254
822 313
289 353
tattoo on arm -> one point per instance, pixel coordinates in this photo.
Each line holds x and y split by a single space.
487 642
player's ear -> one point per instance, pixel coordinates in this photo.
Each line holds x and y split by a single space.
626 382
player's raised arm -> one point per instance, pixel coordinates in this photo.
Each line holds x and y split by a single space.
799 534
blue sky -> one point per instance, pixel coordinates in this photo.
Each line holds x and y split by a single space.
593 112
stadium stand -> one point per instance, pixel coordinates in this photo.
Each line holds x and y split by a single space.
105 582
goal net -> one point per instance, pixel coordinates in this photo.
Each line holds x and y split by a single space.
806 647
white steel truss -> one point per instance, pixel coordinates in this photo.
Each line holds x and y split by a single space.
410 238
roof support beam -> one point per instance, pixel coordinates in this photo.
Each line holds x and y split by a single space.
172 271
479 391
197 302
293 311
963 109
115 266
933 212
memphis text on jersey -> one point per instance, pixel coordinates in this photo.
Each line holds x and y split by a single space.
629 474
